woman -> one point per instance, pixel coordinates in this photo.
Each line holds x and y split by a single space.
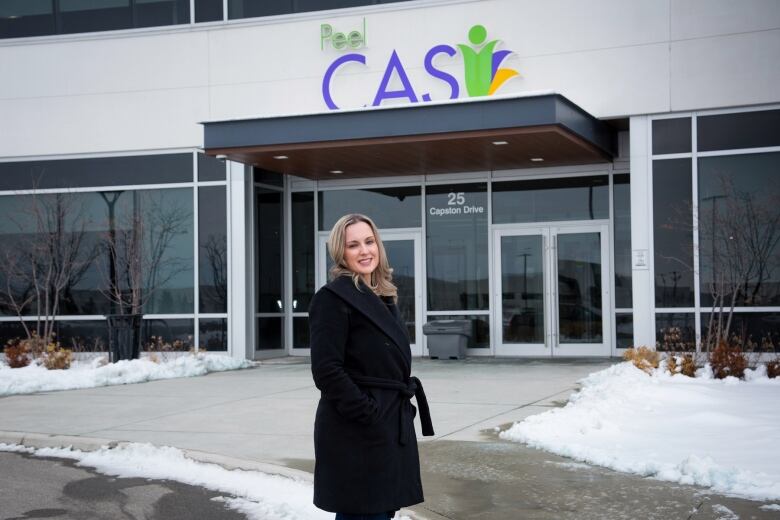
366 461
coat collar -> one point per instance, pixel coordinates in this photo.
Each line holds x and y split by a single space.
373 308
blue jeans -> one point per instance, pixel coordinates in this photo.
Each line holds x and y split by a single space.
377 516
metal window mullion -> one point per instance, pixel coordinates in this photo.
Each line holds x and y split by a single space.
287 271
224 10
491 273
196 251
612 263
695 222
192 12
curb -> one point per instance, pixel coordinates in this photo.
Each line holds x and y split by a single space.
45 440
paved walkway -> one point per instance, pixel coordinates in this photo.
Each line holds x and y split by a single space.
263 417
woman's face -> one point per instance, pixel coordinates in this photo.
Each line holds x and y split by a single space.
361 252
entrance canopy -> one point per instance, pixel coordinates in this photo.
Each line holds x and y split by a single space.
425 138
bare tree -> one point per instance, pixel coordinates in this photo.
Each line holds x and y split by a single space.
138 243
738 238
49 257
216 255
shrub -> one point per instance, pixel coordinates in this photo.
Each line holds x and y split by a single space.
672 365
688 366
643 358
728 361
56 358
773 368
16 354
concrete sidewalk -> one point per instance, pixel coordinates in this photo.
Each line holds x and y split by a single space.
263 418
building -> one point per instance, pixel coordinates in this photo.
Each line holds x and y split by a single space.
536 167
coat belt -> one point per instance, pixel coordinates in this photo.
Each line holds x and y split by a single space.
408 390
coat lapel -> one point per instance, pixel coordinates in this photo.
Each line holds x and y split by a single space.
373 308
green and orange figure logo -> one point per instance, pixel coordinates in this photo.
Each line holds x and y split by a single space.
482 68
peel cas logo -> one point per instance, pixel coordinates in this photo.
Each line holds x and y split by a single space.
482 71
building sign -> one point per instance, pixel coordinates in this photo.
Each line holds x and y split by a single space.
456 205
483 74
640 259
339 40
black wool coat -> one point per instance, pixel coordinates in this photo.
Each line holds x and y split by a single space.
366 458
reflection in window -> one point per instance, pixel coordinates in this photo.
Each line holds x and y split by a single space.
252 8
739 229
624 330
480 331
457 247
672 135
131 245
741 130
208 10
212 334
26 18
675 332
167 335
83 335
752 331
544 200
579 288
302 250
99 171
400 255
300 332
268 265
622 237
673 233
269 334
212 248
151 13
522 289
210 168
85 15
387 207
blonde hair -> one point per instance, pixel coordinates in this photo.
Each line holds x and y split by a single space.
382 277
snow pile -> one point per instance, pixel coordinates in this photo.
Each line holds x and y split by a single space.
35 378
720 434
258 495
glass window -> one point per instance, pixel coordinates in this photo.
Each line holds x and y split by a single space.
675 332
212 334
83 335
78 16
12 329
300 332
624 330
212 248
621 199
672 135
742 130
574 198
673 233
387 207
269 334
739 229
302 250
268 177
20 18
457 247
753 331
210 168
151 13
302 6
165 335
480 332
252 8
208 10
268 208
102 171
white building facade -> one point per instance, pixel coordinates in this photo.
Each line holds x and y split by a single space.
573 177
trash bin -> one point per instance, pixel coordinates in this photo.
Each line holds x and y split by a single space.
448 339
124 336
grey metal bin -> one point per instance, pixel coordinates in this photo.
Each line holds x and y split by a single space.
448 339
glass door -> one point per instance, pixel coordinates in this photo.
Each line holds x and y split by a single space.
404 251
552 286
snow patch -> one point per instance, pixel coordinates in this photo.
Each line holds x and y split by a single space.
92 373
702 431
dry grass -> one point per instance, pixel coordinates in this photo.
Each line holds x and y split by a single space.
643 358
